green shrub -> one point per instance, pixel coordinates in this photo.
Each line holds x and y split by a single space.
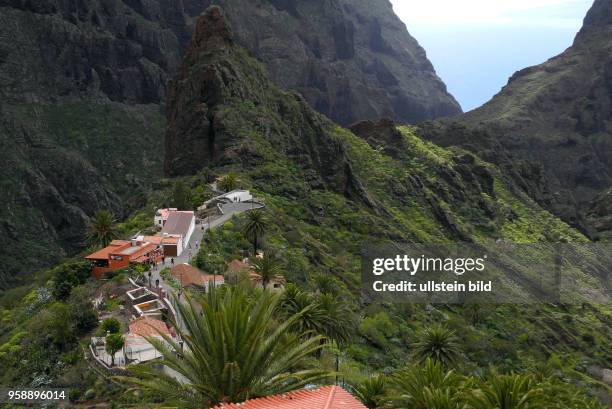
111 325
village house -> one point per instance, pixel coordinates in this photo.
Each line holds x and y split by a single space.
168 244
242 269
326 397
137 348
161 215
190 276
178 228
121 253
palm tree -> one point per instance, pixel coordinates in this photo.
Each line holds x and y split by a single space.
255 227
233 350
293 300
337 319
102 229
327 284
514 391
229 182
474 313
372 391
438 343
427 387
268 269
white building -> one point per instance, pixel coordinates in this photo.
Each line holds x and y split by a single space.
177 231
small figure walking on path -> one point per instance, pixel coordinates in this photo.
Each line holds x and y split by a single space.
172 261
164 260
157 282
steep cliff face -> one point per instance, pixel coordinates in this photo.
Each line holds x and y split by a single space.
219 81
351 60
556 116
80 88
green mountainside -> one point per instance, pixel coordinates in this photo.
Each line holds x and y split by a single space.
327 190
83 85
551 126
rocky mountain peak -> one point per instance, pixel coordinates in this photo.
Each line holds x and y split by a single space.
599 15
212 32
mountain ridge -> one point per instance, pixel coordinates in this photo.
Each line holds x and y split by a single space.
555 117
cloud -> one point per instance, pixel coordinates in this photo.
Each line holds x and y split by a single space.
553 13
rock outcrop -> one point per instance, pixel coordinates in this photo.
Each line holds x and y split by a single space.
221 92
351 60
556 120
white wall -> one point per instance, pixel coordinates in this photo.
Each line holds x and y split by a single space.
189 233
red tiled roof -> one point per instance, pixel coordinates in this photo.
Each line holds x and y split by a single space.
327 397
161 239
124 248
237 266
163 213
114 247
190 275
148 327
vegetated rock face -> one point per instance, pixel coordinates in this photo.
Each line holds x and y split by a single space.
382 135
219 80
223 113
351 59
555 121
81 85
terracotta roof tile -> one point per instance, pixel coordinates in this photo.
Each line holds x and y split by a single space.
190 275
238 266
114 247
148 327
327 397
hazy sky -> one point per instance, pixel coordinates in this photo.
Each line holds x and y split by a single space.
476 45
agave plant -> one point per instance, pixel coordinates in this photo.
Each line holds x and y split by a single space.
233 350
